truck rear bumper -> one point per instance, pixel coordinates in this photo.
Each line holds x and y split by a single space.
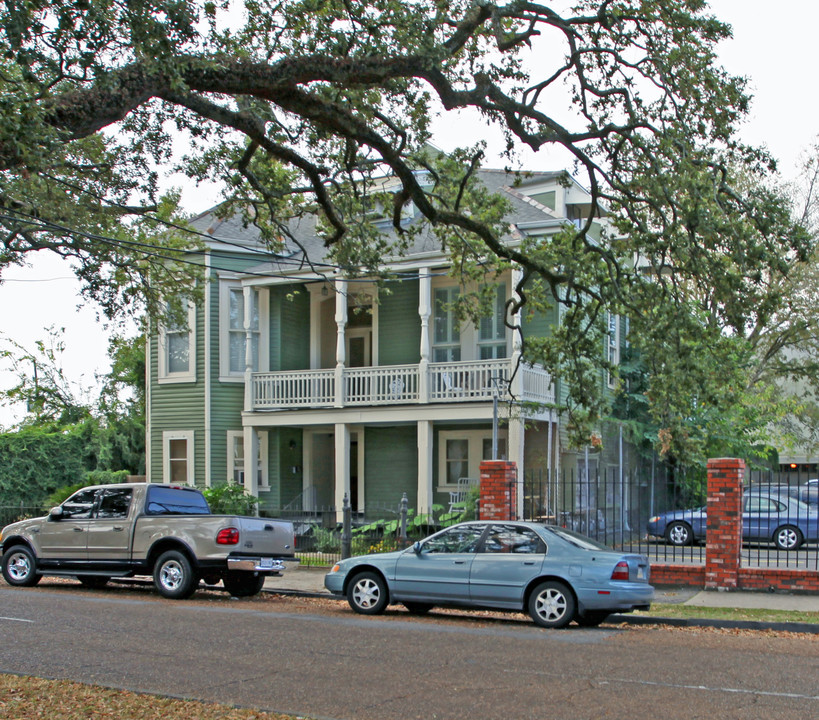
251 564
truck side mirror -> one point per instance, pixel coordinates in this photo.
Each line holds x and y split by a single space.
56 513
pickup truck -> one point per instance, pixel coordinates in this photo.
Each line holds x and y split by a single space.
164 531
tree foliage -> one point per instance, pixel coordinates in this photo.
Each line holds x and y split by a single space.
307 105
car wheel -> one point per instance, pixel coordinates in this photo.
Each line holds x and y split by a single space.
417 608
243 584
679 534
591 618
788 537
20 567
93 581
367 594
174 576
552 605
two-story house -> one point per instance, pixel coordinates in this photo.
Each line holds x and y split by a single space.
307 386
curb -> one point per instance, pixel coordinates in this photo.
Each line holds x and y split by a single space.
811 628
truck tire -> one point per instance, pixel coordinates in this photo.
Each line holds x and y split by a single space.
174 576
243 584
20 567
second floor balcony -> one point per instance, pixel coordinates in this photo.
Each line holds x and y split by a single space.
450 382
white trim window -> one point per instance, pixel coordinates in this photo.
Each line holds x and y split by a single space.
177 457
460 453
177 349
612 345
236 459
446 335
232 333
492 343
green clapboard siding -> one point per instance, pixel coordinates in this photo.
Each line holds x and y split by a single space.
390 465
399 327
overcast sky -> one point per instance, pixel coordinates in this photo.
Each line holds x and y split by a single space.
775 45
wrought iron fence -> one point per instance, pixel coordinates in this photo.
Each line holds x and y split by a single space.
13 513
616 508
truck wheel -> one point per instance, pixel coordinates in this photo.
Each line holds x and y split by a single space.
20 567
243 584
174 576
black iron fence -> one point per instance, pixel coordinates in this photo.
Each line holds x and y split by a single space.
663 515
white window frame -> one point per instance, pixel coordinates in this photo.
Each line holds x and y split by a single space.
225 373
475 440
164 375
167 437
238 436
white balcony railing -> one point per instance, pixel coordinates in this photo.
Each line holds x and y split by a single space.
397 385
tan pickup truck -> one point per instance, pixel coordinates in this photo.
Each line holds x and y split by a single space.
165 531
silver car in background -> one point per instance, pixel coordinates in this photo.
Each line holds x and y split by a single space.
554 574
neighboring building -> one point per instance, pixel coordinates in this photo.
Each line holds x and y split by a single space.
326 388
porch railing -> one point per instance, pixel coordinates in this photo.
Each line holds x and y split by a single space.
396 385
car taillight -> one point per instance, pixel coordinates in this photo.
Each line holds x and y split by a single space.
228 536
620 571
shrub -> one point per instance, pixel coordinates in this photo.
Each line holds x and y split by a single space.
230 499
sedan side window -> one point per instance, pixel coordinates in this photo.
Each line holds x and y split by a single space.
80 504
513 539
460 539
115 503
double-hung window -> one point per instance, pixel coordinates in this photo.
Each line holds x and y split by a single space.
446 339
492 329
237 461
177 348
177 451
233 336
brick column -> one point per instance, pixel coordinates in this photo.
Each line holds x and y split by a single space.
723 533
498 490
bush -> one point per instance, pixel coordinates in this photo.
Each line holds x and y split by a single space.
230 499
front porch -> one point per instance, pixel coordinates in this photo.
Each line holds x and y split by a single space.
422 383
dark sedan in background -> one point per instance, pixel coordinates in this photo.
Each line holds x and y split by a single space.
770 514
554 574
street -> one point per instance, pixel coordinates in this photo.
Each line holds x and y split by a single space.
316 658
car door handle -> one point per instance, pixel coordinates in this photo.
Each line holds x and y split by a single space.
77 529
459 562
529 562
118 529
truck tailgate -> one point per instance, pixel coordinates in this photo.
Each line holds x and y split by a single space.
264 536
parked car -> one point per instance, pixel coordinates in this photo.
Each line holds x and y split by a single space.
166 531
554 574
808 494
768 516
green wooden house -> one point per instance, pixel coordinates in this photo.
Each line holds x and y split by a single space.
305 386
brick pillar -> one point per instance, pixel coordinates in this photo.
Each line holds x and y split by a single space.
499 490
723 532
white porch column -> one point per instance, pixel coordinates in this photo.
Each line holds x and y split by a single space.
424 312
425 460
251 450
247 295
341 345
515 448
342 479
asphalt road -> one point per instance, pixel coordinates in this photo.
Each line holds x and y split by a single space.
316 658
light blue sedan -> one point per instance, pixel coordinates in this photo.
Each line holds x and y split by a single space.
554 574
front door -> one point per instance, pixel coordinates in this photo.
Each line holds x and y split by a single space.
66 537
439 572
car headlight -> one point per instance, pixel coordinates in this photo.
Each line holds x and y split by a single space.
655 519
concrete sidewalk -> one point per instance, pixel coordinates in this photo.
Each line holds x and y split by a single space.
310 581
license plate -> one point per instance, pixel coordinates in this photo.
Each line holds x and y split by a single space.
267 562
